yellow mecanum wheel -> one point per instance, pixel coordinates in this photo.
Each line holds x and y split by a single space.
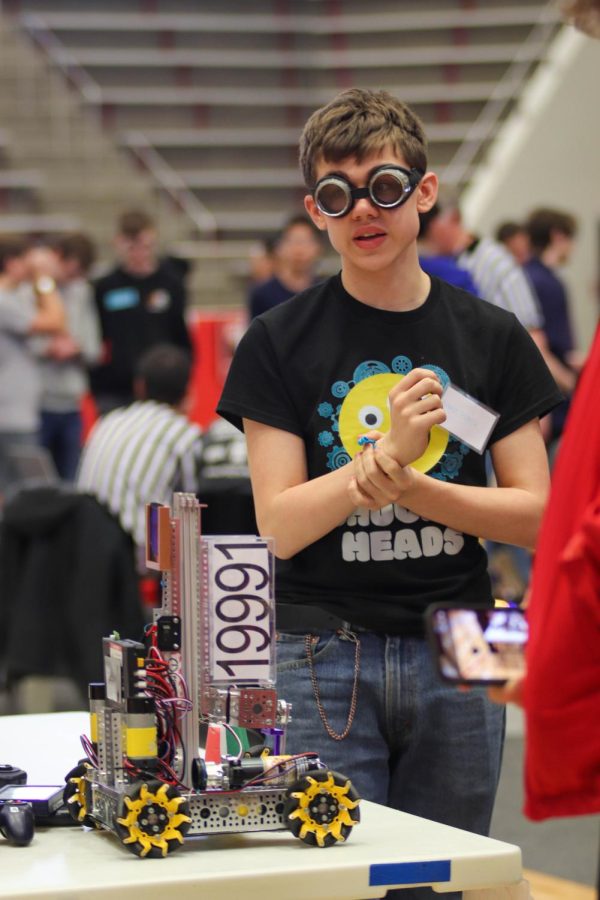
154 819
317 810
75 795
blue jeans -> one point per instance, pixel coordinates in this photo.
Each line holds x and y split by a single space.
415 744
61 435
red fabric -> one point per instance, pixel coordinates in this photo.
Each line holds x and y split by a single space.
89 414
214 337
562 689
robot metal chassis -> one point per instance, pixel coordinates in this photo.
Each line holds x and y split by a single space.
217 603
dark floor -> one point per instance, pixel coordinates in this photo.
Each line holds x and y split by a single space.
567 848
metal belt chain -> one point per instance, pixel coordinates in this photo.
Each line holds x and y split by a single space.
336 736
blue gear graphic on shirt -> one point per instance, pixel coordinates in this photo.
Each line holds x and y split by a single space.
367 409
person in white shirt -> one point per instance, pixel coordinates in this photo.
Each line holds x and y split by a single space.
141 453
29 305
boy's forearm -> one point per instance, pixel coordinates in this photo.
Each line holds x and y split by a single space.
563 375
306 512
50 316
302 514
507 514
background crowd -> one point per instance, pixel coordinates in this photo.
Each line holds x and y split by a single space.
72 338
96 365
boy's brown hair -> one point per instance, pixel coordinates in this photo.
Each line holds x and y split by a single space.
507 230
133 222
543 221
79 246
11 247
358 123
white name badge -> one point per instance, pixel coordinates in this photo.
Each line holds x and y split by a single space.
467 419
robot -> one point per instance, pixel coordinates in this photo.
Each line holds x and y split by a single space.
179 728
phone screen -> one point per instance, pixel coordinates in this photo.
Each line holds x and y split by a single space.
478 646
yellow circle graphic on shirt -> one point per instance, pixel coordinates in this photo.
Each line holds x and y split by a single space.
366 408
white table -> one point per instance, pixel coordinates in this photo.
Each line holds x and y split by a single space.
388 849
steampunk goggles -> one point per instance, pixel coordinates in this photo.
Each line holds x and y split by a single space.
388 187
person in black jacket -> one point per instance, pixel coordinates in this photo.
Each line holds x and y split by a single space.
141 302
68 580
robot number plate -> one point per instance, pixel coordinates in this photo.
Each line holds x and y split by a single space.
240 610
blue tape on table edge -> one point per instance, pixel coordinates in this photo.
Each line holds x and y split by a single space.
425 872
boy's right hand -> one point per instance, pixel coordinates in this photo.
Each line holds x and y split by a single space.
511 692
415 407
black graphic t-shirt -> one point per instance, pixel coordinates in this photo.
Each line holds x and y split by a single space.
136 312
321 366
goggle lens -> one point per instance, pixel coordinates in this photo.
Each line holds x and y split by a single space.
389 187
333 197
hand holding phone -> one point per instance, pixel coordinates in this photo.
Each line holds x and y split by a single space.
477 645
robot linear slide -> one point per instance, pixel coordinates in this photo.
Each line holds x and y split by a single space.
187 733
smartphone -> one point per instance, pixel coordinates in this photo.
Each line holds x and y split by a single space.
477 645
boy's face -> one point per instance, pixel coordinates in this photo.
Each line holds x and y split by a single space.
562 245
444 233
69 268
16 269
519 246
43 261
299 247
138 253
369 237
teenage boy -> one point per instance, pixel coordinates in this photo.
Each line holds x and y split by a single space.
144 451
29 305
498 277
64 358
295 256
140 303
516 240
552 235
367 538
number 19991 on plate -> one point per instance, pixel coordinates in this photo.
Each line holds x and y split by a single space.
240 596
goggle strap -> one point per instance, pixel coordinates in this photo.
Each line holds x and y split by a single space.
360 193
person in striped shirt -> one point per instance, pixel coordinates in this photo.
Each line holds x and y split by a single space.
496 275
498 278
143 452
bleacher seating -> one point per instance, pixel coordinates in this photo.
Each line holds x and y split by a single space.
19 200
38 223
11 179
221 94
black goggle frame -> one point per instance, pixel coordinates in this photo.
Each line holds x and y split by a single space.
407 179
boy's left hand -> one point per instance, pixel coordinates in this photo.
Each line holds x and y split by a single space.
378 479
415 407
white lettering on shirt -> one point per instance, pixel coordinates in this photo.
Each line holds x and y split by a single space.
385 545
